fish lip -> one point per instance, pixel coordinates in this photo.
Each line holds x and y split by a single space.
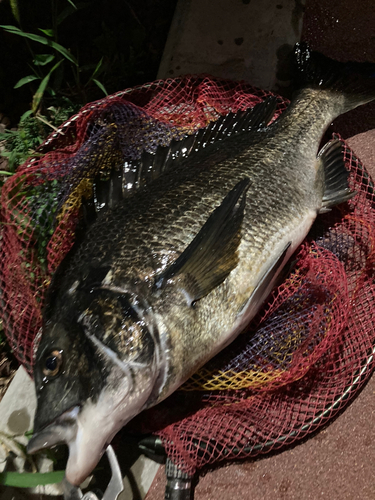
44 439
60 431
75 472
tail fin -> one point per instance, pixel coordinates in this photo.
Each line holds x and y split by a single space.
356 81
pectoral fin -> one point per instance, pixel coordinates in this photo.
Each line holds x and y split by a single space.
212 254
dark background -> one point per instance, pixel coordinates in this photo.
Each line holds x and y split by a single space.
129 35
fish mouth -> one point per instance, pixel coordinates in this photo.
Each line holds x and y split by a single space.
62 431
84 451
88 428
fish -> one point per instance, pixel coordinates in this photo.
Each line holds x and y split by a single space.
170 274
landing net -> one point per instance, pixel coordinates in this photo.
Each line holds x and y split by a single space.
307 352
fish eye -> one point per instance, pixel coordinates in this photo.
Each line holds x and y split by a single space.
53 363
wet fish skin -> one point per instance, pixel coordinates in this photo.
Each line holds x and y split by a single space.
126 343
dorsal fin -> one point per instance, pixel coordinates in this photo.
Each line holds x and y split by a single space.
151 165
108 191
212 254
138 173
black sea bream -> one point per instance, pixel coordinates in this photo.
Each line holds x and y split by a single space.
170 275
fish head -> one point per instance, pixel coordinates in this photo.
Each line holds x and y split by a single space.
95 369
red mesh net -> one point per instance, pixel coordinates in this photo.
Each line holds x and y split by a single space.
307 352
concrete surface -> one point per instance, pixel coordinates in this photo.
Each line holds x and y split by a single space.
142 472
241 40
344 31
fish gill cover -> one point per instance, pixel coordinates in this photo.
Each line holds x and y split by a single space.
306 353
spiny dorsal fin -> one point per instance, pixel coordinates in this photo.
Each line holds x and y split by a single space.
212 254
336 188
252 119
138 173
152 165
108 191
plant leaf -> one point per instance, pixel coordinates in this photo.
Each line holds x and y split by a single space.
97 69
8 27
30 480
19 32
70 10
15 10
39 93
42 87
25 115
26 79
43 59
72 3
65 52
100 85
44 41
47 32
